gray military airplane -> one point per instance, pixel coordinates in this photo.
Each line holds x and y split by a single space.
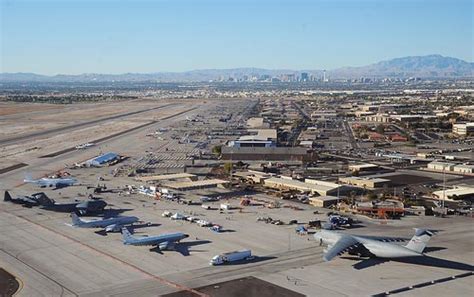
81 207
26 201
162 242
51 182
114 224
372 246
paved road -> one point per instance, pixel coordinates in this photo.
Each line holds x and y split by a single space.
350 135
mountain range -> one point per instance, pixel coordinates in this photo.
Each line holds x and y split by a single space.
431 66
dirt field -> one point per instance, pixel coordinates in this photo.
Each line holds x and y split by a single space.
9 108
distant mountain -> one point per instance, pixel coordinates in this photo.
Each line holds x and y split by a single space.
418 66
431 66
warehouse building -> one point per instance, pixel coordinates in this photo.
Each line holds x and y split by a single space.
463 129
165 177
363 167
196 185
463 169
323 201
456 193
367 183
440 166
312 186
102 159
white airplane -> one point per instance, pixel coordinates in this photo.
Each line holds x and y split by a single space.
84 145
371 246
162 242
51 182
114 224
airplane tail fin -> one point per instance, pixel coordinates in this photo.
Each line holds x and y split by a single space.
419 240
127 236
28 178
76 221
43 199
7 196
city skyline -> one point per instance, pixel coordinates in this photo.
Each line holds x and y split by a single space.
51 37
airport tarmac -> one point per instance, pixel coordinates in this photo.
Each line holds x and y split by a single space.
51 258
45 253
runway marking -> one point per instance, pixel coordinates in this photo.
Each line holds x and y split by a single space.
158 278
127 131
105 138
13 167
425 284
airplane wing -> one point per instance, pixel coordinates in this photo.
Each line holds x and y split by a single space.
384 238
344 244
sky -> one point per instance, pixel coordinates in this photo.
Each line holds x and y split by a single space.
113 36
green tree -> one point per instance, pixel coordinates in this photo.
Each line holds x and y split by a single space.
228 168
217 150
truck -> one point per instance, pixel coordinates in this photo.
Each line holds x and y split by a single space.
227 258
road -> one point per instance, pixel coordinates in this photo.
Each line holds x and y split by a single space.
350 135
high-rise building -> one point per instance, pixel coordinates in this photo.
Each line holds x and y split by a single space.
304 76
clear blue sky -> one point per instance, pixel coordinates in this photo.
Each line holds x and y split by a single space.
107 36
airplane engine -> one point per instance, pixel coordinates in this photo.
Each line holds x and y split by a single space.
113 228
166 246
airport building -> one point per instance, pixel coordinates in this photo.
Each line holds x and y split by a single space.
451 167
456 193
463 129
257 138
102 159
463 169
363 167
166 177
367 183
440 166
196 185
321 188
323 201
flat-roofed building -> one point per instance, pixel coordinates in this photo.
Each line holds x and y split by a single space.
368 183
256 138
379 118
164 177
463 129
253 176
465 169
456 193
440 166
363 167
312 186
323 201
195 185
406 117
